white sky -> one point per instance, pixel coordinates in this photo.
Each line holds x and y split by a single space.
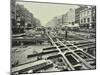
46 11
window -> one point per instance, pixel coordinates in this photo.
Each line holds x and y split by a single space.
18 19
88 12
93 14
88 19
94 11
81 14
17 14
18 24
81 21
84 20
84 13
94 19
72 23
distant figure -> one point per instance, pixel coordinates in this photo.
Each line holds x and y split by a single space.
66 34
48 32
44 31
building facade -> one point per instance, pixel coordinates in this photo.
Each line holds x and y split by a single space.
13 13
86 17
71 16
20 20
60 20
77 15
65 19
23 20
94 17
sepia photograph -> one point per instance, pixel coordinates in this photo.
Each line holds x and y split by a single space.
52 37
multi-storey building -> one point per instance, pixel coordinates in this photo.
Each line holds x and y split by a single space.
94 17
85 17
71 16
65 19
23 20
13 13
29 19
20 16
54 22
20 19
60 20
77 15
37 22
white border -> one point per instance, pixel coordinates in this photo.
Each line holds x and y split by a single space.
5 37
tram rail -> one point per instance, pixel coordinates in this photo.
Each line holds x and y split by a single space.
71 48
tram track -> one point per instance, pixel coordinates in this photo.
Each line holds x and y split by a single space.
58 44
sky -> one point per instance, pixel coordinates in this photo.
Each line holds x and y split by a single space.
46 11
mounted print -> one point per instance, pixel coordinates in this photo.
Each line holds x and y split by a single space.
52 37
